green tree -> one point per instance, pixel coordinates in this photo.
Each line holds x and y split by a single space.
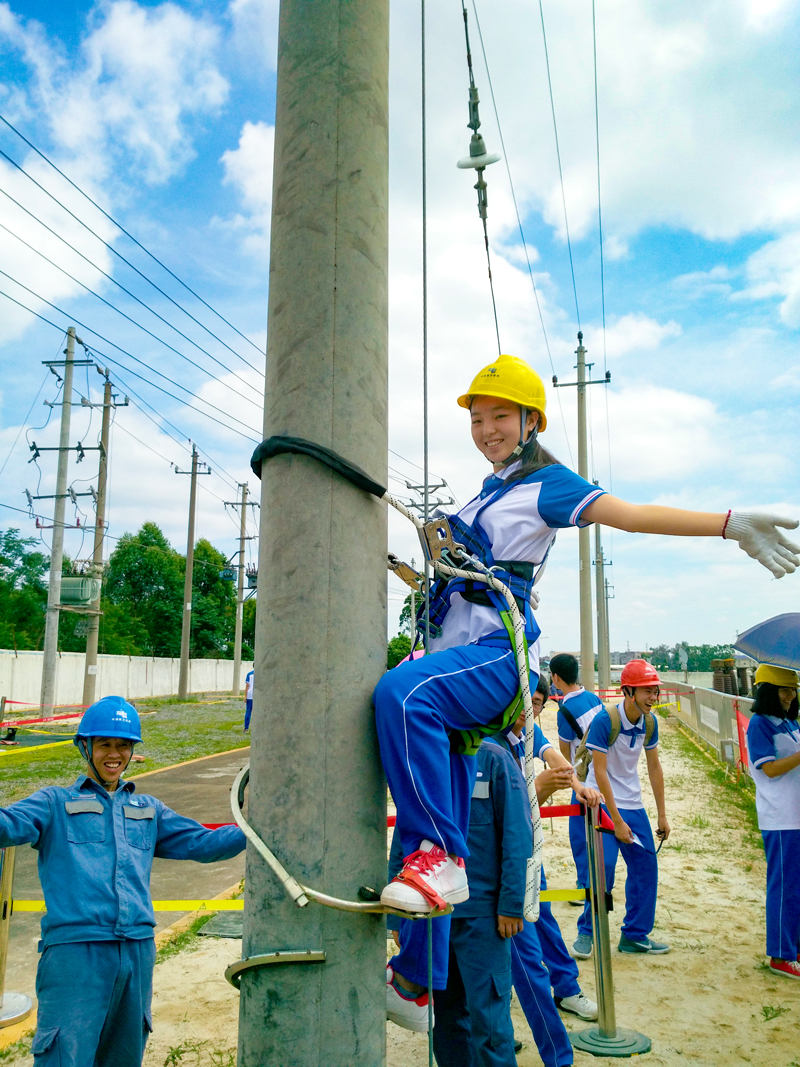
399 647
23 591
213 605
248 628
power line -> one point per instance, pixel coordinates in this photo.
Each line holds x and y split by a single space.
24 421
119 255
560 172
130 294
83 325
519 222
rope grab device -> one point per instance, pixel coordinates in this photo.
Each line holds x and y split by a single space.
448 559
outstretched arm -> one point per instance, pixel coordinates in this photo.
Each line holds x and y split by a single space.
758 535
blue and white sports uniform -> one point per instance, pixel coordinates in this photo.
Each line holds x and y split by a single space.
778 807
641 887
583 707
249 685
467 682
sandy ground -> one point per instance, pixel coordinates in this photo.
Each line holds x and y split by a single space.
709 1003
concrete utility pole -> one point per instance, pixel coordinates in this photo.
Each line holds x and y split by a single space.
601 596
186 627
317 791
48 697
90 666
584 542
237 637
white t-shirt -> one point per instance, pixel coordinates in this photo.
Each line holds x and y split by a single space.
249 682
777 799
623 756
521 525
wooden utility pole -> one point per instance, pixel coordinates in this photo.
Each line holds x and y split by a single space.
90 666
317 791
186 627
48 697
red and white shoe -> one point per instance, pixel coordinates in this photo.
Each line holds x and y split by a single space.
429 881
788 968
404 1008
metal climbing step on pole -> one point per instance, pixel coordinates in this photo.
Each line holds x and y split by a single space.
605 1039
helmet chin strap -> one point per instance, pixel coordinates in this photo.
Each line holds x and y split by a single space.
630 692
86 752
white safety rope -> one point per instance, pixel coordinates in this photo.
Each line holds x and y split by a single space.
303 894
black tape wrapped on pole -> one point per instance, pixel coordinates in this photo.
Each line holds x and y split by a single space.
298 446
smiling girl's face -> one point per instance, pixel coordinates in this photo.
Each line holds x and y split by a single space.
496 426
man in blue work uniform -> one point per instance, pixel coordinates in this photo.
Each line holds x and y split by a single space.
96 841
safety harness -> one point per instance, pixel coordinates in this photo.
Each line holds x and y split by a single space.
456 562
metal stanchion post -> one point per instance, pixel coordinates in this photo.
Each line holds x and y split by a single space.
14 1007
605 1039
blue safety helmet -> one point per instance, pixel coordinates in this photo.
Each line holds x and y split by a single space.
110 717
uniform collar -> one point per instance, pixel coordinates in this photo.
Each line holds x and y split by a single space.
628 727
574 693
496 481
84 781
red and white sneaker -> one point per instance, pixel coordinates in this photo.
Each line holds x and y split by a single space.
404 1008
788 968
429 881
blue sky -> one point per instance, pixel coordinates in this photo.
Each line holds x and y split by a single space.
163 113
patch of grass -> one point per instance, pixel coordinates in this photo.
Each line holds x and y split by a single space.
172 732
699 822
186 939
202 1052
18 1049
713 870
769 1012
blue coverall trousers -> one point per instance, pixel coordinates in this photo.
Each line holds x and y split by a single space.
641 887
561 967
577 841
783 893
473 1014
417 704
94 1004
532 985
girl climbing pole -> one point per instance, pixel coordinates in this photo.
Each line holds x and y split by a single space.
433 712
773 743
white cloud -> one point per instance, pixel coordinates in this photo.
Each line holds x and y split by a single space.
701 283
255 33
249 169
774 271
635 332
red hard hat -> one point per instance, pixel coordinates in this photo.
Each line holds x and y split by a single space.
639 673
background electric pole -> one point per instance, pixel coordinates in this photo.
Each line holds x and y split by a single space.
317 791
48 697
584 540
186 627
601 596
237 637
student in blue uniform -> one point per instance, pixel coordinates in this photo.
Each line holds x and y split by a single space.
614 771
431 712
249 685
773 743
576 711
96 840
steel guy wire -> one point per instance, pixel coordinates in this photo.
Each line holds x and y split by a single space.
558 157
22 425
519 223
142 363
119 255
425 433
119 311
600 233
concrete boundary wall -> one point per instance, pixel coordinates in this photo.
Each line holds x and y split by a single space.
128 676
711 716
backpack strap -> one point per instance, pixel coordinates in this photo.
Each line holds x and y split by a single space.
650 727
616 724
573 722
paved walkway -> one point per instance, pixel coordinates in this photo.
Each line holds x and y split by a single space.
200 789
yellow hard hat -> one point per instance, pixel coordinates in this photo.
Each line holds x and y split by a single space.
781 676
510 378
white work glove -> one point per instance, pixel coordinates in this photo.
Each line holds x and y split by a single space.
759 537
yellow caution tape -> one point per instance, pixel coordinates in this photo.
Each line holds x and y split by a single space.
15 751
238 905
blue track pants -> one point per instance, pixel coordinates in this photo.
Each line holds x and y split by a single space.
641 887
248 711
577 841
473 1014
561 967
94 1004
783 893
417 704
532 985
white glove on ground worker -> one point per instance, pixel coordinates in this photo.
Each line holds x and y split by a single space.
759 537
